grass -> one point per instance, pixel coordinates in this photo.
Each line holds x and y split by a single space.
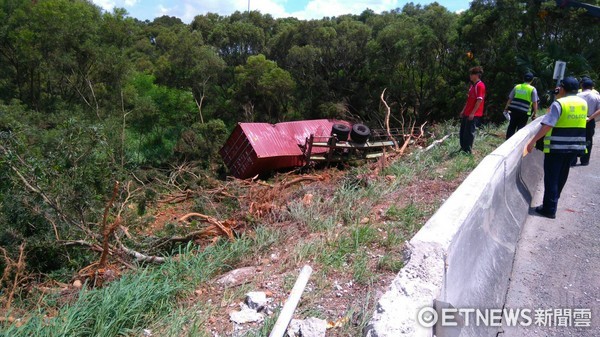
122 308
357 230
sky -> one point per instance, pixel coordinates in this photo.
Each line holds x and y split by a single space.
186 10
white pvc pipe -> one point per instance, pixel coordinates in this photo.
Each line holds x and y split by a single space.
285 316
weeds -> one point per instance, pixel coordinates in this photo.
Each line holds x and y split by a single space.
357 230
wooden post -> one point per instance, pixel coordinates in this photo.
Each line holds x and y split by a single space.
332 142
309 145
285 316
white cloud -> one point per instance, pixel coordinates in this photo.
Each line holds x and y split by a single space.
317 9
186 10
107 5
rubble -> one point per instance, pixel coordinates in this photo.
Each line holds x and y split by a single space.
310 327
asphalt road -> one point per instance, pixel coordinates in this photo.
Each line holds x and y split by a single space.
557 263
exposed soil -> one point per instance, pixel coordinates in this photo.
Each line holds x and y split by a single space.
335 296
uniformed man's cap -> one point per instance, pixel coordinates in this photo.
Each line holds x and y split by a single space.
569 83
528 76
587 83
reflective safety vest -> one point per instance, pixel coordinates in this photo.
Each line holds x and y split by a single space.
522 100
568 135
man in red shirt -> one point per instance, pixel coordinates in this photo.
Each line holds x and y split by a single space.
470 116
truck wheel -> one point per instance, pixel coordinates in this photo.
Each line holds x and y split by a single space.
341 131
360 133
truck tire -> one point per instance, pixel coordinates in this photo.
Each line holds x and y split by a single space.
360 133
341 131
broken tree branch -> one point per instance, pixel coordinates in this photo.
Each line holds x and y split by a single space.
436 142
20 266
107 230
387 120
299 179
92 246
212 221
139 256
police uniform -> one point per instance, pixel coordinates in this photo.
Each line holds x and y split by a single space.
562 144
521 100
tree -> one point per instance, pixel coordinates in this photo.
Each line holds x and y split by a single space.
263 89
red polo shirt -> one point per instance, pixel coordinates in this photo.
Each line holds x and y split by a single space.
476 91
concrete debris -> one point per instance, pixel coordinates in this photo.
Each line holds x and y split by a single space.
310 327
253 309
256 300
237 277
147 333
246 315
294 328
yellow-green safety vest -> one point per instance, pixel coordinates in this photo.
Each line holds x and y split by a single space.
568 135
521 102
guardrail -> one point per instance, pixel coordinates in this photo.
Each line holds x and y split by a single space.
462 257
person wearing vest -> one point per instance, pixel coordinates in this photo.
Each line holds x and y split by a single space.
470 116
522 104
563 130
593 100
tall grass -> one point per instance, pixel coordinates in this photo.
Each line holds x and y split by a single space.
122 308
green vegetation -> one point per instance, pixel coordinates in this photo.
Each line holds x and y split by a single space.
357 248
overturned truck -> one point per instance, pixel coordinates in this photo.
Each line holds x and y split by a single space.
257 148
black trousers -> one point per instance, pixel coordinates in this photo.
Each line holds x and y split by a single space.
556 172
590 129
467 132
518 120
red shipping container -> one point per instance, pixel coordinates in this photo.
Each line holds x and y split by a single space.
255 148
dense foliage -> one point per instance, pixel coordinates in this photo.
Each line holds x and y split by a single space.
89 97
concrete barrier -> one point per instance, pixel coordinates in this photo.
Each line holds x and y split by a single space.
463 255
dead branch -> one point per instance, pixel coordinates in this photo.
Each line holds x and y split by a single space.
20 266
94 97
139 256
142 257
439 141
214 230
422 131
387 120
202 97
77 89
177 197
7 268
122 150
407 138
299 179
212 221
107 230
54 227
92 246
405 145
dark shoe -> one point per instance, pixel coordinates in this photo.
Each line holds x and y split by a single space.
585 164
541 211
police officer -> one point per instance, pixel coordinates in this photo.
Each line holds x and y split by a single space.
563 129
593 100
522 104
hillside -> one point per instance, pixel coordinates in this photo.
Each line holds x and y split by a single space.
349 224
